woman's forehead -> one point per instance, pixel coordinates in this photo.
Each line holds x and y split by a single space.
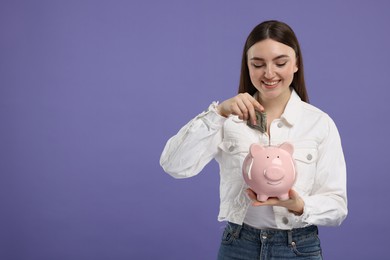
270 49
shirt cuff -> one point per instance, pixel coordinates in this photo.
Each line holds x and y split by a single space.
211 116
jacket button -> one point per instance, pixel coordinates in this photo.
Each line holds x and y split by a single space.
309 157
280 124
231 148
285 220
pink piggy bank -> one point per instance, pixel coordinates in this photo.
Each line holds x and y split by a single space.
270 171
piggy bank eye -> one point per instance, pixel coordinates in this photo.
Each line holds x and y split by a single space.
277 156
267 157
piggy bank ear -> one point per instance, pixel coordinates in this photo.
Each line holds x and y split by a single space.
287 147
256 149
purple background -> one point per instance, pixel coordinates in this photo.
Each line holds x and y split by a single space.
90 91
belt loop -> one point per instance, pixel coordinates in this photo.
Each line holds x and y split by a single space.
289 237
237 231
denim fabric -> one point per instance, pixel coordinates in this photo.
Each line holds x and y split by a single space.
248 243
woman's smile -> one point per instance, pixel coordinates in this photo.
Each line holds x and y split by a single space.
270 84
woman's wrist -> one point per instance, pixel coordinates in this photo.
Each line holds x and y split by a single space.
298 209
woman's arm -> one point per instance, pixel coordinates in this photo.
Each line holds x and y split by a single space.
186 153
327 203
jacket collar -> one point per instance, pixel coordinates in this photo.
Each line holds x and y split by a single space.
293 109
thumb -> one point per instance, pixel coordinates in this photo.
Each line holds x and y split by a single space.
293 194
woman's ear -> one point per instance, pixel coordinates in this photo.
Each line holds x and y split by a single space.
256 149
296 67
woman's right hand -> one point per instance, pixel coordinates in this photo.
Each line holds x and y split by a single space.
243 105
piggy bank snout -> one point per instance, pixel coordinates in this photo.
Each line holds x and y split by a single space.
274 173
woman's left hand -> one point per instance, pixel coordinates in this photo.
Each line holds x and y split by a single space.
294 204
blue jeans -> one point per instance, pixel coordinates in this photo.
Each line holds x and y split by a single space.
245 242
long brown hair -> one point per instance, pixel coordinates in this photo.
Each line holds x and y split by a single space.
280 32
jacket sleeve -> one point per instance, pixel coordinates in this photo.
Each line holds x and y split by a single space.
327 203
195 145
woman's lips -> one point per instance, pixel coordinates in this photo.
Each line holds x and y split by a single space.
270 84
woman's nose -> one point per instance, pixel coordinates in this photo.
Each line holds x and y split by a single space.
269 72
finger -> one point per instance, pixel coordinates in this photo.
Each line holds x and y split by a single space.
271 202
243 108
255 103
235 110
251 194
293 194
251 110
258 203
259 107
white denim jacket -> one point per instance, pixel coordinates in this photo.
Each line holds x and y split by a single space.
320 165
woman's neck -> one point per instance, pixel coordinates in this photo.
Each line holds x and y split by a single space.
275 107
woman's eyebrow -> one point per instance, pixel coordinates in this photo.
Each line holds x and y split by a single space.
276 58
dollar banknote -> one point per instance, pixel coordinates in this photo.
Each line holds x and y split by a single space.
261 122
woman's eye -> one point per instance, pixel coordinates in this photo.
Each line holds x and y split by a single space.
281 64
257 65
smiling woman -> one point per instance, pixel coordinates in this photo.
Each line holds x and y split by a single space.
272 81
286 39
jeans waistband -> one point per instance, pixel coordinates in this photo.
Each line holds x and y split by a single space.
274 234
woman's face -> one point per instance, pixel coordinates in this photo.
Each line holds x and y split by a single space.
271 68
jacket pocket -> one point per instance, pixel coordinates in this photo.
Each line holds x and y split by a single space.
306 155
306 168
233 147
233 155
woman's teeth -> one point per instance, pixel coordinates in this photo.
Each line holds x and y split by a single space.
270 83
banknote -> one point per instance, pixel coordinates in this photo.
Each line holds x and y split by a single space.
261 122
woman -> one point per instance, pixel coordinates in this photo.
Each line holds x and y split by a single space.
272 80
